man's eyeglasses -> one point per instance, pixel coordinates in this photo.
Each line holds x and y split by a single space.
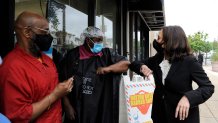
44 30
47 31
96 40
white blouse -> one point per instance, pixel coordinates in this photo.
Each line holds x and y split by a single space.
165 67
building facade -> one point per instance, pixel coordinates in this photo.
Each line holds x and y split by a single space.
125 23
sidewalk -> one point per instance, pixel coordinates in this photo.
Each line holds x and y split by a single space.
209 109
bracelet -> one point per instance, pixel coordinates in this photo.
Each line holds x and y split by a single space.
49 100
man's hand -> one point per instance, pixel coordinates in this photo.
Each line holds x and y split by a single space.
145 70
103 70
70 112
60 90
182 108
63 88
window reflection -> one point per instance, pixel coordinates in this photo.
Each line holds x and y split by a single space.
106 19
106 26
66 24
37 6
140 47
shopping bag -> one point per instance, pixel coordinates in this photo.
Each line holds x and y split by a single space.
139 98
122 103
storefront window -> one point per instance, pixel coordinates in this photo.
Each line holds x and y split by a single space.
37 6
133 46
67 21
140 47
106 26
105 20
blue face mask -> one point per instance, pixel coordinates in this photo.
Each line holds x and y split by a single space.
97 47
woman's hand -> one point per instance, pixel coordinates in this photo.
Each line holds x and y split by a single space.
145 70
182 108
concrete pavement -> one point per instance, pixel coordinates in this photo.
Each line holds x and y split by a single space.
209 109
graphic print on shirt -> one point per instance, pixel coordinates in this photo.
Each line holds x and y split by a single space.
87 85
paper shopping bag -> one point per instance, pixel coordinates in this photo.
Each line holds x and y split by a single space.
139 98
122 103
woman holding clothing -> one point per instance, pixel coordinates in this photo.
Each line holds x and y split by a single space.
174 69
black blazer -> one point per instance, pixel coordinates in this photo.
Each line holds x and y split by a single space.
177 84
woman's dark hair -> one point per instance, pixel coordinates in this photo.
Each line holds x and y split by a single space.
176 43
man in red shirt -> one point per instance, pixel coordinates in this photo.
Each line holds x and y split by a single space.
29 89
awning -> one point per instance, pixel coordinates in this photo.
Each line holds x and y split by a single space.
151 12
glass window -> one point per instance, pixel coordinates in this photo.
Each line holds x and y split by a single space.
133 46
105 20
106 26
139 48
37 6
67 21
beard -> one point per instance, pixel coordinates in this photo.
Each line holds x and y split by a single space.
34 49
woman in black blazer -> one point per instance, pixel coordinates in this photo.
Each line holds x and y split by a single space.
174 69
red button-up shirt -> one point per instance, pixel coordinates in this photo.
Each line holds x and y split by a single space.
24 80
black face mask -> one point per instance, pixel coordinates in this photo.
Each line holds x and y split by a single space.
43 41
34 49
157 46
